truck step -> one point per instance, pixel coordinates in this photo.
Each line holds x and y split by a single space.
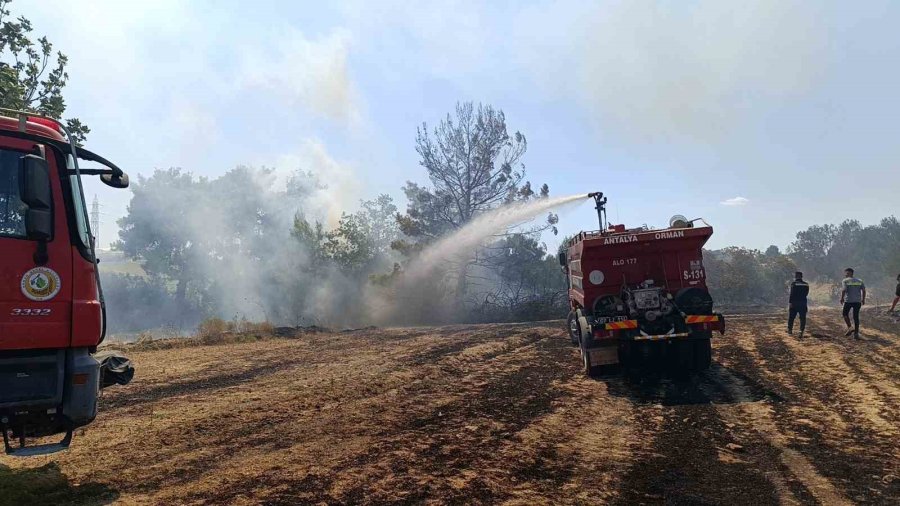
32 451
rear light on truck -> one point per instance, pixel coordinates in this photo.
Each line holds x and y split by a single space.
80 379
601 333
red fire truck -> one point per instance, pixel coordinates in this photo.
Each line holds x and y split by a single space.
52 312
639 294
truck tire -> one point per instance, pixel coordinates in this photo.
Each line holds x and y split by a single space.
702 354
592 371
584 331
572 327
682 358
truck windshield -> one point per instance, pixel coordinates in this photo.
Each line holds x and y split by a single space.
12 209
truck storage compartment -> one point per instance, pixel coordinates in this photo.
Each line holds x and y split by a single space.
31 377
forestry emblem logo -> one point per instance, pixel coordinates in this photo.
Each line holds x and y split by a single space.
40 284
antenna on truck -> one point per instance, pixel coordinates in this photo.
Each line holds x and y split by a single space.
601 208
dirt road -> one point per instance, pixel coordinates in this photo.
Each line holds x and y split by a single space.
488 414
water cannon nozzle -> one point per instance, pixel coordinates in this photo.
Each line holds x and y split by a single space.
601 207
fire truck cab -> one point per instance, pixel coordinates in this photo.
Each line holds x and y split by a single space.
52 312
639 293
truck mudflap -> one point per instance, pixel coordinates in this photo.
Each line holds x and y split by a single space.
603 355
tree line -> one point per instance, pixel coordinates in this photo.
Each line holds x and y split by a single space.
246 245
821 252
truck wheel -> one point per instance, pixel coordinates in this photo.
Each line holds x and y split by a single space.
572 326
629 362
702 354
681 358
592 371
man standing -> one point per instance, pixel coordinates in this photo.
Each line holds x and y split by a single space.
896 295
853 297
797 303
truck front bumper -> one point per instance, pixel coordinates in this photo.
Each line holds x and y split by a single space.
46 392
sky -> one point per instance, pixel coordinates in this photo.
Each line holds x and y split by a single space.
762 117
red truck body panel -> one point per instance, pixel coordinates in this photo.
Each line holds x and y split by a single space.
600 264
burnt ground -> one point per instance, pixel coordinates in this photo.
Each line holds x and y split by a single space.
489 414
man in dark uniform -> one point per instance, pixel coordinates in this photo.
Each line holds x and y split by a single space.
853 297
797 305
896 295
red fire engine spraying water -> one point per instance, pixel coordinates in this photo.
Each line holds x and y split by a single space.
637 294
52 312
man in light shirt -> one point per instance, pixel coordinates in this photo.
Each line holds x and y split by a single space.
853 297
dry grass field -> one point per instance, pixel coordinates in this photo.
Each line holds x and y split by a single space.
488 414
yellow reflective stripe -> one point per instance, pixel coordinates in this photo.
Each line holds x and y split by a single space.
701 318
627 324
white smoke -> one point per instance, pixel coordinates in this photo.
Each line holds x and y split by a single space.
672 70
306 72
340 185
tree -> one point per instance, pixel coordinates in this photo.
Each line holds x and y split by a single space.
378 219
30 79
225 243
740 276
812 247
517 281
155 229
474 165
826 250
361 243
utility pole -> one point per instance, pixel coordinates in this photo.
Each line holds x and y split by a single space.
95 220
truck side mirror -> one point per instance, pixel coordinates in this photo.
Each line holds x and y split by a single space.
120 181
36 193
562 259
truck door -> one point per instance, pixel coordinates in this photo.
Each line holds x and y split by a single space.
35 300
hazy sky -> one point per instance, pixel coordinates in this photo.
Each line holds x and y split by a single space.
762 117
